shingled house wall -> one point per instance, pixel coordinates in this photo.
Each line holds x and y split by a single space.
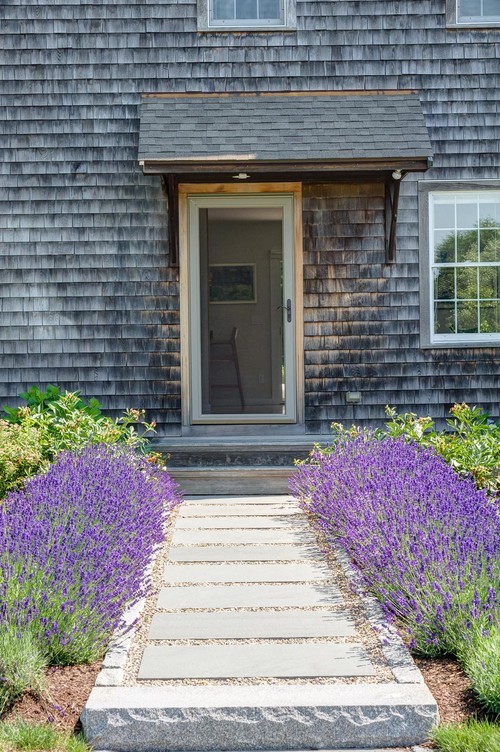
87 296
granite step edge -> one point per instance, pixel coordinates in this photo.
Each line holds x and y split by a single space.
211 718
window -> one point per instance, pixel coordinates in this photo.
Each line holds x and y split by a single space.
463 267
473 12
226 15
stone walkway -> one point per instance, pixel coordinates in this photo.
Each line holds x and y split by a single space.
256 641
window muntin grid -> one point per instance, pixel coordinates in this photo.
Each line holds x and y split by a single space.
465 266
478 11
246 12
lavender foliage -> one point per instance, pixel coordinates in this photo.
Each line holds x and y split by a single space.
425 540
74 546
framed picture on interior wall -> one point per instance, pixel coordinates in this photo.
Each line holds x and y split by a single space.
232 283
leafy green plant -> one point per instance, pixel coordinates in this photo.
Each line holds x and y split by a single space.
470 446
64 421
474 736
21 735
20 455
21 666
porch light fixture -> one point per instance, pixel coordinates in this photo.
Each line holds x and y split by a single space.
397 175
241 176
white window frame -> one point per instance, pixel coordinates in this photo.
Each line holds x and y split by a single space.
287 22
454 18
428 338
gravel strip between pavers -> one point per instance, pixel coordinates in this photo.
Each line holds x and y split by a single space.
353 607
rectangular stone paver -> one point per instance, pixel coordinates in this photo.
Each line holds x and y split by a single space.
240 510
241 523
242 537
249 596
223 500
250 624
291 572
244 553
257 660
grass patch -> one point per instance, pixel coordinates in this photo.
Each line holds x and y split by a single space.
474 736
20 735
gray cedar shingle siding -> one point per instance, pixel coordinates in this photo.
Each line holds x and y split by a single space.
87 296
286 128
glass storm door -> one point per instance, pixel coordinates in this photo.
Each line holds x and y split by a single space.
242 317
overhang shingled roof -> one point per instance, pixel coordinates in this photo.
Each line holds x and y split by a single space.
282 128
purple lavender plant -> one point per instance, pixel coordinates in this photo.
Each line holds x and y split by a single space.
426 541
74 546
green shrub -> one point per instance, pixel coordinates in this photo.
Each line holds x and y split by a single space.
481 661
474 736
21 667
20 455
64 421
472 446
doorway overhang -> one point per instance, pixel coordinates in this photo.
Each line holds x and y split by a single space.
309 137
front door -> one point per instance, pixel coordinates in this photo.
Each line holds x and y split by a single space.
242 344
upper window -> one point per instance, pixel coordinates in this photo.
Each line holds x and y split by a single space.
257 15
464 267
473 12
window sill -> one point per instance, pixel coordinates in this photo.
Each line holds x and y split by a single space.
243 29
471 25
471 344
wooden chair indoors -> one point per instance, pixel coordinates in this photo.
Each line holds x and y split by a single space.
225 352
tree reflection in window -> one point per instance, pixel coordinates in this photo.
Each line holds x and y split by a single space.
466 272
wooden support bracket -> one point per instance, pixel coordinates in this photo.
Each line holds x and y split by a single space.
170 188
392 188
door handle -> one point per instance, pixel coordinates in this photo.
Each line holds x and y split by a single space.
288 309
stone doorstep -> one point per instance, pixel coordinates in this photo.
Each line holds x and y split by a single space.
233 480
213 718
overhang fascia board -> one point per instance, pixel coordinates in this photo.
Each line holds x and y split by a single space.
216 168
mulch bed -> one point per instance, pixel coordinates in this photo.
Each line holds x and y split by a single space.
67 690
69 687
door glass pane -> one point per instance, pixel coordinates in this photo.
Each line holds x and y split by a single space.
241 280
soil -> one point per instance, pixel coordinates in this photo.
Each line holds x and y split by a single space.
68 688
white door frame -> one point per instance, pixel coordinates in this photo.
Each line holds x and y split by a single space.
192 197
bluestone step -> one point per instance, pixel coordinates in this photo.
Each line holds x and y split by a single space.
241 499
249 596
241 523
238 510
242 537
250 624
290 572
244 553
256 660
